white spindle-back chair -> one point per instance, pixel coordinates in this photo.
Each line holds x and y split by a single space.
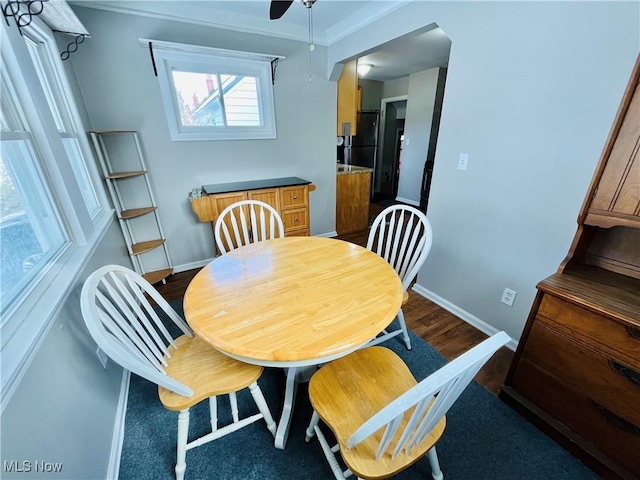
247 221
401 235
116 309
382 418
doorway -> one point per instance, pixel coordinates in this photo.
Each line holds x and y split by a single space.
391 135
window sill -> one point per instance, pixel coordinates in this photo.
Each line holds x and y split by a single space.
20 349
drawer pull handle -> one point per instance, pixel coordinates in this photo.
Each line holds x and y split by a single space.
295 197
634 332
631 374
616 420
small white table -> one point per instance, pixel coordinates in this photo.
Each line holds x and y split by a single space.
292 302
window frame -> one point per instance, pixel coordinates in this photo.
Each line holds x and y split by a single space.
60 99
190 58
27 322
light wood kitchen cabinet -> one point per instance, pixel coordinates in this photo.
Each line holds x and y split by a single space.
353 194
267 195
223 200
576 372
348 99
295 210
289 196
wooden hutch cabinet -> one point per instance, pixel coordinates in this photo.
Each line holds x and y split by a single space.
576 373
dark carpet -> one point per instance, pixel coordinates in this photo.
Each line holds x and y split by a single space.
484 438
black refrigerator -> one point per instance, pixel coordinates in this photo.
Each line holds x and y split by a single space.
364 145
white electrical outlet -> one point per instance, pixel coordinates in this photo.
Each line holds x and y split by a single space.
463 161
102 357
508 296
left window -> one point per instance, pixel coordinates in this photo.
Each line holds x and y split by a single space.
53 209
61 110
31 230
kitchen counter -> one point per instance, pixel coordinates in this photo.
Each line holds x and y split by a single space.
353 192
253 185
347 169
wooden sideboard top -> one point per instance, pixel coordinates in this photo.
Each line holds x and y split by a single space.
253 185
611 294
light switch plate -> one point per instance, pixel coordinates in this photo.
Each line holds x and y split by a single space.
463 161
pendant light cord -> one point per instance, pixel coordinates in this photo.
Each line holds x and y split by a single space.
312 46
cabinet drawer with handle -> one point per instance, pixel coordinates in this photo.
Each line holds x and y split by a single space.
617 339
610 434
295 219
606 380
292 197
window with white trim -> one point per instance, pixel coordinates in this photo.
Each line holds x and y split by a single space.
214 94
53 208
31 231
73 138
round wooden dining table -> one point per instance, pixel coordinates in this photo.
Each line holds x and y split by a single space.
292 302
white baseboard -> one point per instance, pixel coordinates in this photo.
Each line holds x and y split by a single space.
327 235
118 430
191 266
407 201
472 320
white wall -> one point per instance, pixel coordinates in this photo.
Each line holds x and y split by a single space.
417 132
121 92
64 409
395 88
532 90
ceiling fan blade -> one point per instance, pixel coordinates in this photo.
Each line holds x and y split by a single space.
278 8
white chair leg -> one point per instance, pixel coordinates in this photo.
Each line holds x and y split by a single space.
436 473
261 403
213 413
183 432
405 333
290 390
310 432
233 401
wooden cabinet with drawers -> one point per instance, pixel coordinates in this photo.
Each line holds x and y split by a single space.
289 196
294 210
576 373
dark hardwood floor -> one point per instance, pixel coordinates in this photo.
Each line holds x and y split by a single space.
442 330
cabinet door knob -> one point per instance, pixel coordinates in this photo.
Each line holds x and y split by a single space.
295 197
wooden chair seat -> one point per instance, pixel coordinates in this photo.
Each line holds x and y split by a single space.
383 419
371 379
116 308
206 371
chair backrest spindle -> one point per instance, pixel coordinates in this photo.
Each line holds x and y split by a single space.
245 222
402 235
430 400
120 318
